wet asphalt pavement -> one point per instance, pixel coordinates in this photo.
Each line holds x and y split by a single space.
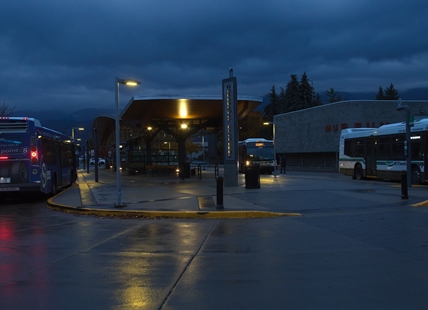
357 245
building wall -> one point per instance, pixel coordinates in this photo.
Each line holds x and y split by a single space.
311 136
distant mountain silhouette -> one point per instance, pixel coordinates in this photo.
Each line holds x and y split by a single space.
63 121
411 94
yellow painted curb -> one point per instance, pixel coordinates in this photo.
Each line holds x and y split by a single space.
421 204
168 214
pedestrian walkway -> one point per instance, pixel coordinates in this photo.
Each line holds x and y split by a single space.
156 196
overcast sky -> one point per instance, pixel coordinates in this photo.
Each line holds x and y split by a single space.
66 53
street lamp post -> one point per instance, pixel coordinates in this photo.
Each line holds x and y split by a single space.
203 152
117 82
72 139
72 131
406 108
274 147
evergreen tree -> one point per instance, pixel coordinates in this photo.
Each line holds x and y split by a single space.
391 93
292 94
270 108
333 96
282 102
317 100
305 92
380 95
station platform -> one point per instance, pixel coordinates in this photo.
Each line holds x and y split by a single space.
157 196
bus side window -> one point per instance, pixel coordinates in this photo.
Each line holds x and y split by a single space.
384 148
359 148
48 151
397 151
416 150
348 148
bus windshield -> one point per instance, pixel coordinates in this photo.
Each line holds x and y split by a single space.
259 153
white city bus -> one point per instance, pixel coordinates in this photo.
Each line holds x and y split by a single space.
381 152
256 151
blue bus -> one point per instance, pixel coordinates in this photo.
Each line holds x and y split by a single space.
34 158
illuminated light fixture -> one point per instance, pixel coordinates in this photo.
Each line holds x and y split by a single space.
182 108
415 138
183 126
149 128
132 83
128 82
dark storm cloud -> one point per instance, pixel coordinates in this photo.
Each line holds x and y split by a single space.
67 53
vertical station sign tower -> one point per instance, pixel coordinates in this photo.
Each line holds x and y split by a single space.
230 130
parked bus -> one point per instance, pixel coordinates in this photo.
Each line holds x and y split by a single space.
34 158
256 151
381 152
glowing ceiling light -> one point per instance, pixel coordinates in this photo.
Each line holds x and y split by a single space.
182 107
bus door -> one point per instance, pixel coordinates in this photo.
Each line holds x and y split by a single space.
424 176
371 152
58 164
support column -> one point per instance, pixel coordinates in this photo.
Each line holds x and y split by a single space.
148 160
230 174
181 156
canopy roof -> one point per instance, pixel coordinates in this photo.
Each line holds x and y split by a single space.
144 111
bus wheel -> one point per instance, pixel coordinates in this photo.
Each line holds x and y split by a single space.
416 175
19 173
358 172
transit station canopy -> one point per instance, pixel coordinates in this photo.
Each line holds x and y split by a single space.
170 111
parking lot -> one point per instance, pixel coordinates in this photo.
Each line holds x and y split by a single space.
356 245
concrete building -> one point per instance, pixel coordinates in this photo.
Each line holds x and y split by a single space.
310 137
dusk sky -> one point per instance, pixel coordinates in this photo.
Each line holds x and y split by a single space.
65 54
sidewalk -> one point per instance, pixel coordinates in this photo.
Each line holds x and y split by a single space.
156 196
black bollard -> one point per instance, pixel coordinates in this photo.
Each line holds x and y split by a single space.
219 181
216 171
404 194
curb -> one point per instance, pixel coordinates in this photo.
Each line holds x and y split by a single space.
420 204
167 214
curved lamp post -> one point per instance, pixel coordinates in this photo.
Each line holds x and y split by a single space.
117 82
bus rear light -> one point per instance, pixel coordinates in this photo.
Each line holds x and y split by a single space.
4 157
33 154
